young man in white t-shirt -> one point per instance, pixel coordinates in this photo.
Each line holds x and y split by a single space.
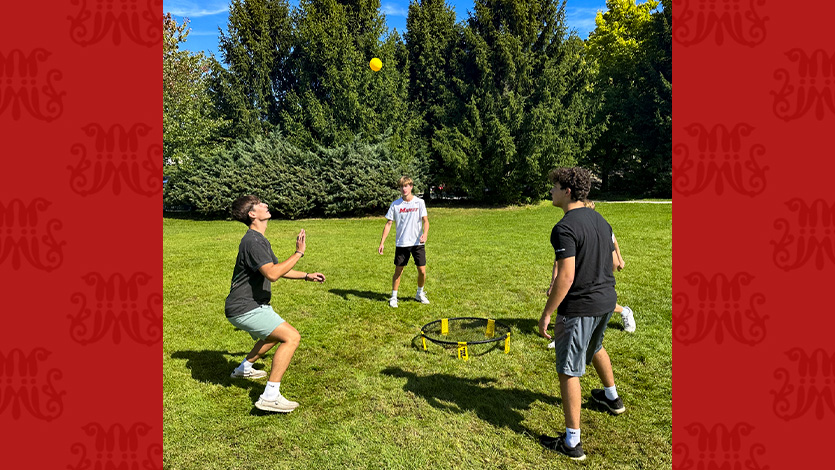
409 215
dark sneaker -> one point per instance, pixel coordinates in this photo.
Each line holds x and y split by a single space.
615 406
557 444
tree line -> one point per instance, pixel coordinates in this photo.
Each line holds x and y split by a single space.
482 108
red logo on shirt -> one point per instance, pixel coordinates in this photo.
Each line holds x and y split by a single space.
408 210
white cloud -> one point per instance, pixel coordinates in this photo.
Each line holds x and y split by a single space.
195 9
391 9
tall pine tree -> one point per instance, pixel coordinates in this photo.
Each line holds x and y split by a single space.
520 101
251 88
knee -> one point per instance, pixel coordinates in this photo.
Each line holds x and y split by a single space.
294 339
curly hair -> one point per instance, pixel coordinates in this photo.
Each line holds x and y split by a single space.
241 208
575 178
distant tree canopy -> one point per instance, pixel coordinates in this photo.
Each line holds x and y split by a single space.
189 120
484 108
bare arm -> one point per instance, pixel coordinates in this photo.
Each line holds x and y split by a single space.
617 259
293 274
274 271
386 230
565 277
425 229
553 278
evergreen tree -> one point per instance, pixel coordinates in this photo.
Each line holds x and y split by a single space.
250 90
337 98
520 101
431 34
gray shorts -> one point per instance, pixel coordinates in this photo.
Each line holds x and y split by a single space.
258 322
577 340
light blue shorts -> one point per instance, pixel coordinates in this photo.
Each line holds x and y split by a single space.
258 322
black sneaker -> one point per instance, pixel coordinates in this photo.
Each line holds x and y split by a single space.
557 444
615 406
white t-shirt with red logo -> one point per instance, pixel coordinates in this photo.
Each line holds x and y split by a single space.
408 219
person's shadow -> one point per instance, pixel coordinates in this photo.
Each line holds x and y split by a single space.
498 406
216 367
365 294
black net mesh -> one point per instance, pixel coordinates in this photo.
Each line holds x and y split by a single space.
465 329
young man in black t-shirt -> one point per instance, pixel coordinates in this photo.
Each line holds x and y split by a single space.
584 297
248 303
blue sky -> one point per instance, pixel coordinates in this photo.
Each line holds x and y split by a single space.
208 15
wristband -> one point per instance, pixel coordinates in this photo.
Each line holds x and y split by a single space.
305 276
301 253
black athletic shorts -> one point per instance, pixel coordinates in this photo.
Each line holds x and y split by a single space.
401 255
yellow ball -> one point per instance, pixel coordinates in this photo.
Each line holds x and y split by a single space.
375 64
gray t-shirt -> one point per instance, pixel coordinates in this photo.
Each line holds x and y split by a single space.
250 289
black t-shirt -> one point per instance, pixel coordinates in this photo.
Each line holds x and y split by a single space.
585 234
250 289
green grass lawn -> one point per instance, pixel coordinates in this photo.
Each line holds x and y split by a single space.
370 396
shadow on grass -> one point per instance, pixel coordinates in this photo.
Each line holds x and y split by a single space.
216 366
473 350
366 294
525 326
498 406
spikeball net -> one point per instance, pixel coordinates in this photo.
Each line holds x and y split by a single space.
462 332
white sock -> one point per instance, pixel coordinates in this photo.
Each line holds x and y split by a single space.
271 391
420 289
572 437
245 366
394 294
611 392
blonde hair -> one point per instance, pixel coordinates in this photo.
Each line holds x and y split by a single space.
404 181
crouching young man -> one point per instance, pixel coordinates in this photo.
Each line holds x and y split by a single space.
248 303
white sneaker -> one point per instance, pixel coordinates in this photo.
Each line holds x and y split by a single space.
552 344
628 319
393 302
422 298
250 374
279 405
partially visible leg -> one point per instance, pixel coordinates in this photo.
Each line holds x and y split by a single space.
421 280
618 308
271 399
260 348
603 365
571 400
608 396
289 338
395 280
